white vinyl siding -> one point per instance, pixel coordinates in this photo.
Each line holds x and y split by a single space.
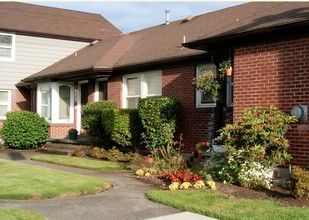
7 47
203 100
33 54
5 103
141 85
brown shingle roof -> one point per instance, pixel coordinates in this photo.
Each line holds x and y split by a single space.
48 21
253 16
163 42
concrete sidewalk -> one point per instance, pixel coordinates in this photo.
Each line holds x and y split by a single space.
125 200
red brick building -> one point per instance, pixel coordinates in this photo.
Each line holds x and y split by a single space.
268 43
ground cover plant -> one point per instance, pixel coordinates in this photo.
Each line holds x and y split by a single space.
222 207
77 162
18 214
21 181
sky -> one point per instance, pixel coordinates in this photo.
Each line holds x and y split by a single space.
129 16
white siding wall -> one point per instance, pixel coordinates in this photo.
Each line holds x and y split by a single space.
32 55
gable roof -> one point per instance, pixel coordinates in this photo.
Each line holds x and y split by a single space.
53 22
252 19
163 43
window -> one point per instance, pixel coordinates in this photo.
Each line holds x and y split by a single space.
5 102
229 91
143 85
7 47
203 100
64 102
45 101
55 102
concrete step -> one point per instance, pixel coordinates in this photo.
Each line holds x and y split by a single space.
53 151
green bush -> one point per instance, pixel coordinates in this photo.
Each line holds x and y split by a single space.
91 117
24 130
123 125
157 116
255 143
299 182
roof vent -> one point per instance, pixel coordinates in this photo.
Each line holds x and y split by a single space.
167 16
187 19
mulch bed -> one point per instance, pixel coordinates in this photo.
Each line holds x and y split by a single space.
276 193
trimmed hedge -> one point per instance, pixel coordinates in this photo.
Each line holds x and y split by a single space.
156 115
24 130
92 117
123 125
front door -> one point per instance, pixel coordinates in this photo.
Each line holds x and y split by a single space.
81 101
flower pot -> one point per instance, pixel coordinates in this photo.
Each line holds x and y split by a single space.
228 72
72 134
200 153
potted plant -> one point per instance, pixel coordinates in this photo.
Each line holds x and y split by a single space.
201 147
209 83
225 67
72 132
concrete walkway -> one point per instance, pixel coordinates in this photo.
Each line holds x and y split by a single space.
126 200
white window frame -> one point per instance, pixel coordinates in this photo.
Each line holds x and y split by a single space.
54 110
12 47
96 88
8 102
229 91
144 87
199 94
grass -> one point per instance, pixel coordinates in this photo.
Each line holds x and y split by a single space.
22 181
78 162
211 204
18 214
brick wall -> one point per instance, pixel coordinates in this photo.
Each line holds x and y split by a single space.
58 130
196 123
114 87
276 73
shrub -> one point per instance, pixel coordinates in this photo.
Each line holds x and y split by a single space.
299 182
158 115
24 130
123 126
255 143
91 117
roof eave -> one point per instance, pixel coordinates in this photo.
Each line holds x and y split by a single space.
94 72
244 37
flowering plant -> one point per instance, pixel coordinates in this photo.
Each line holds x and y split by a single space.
204 145
208 83
72 129
218 140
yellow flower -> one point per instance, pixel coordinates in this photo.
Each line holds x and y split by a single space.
212 185
173 186
140 172
185 185
199 184
147 174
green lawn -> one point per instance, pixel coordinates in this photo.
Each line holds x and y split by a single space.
21 181
18 214
78 162
214 205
